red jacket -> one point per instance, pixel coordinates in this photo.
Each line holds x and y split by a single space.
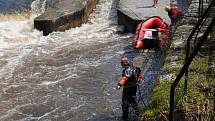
173 13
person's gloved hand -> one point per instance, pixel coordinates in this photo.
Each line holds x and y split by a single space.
118 87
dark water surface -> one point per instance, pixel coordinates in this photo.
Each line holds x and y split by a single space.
7 6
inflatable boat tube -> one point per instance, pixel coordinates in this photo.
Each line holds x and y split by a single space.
147 32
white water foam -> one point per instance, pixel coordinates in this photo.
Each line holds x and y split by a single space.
18 35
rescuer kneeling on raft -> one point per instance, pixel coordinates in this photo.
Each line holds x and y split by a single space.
131 75
146 35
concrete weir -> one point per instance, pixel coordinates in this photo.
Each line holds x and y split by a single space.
64 14
132 12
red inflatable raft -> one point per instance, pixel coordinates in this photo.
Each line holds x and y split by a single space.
146 35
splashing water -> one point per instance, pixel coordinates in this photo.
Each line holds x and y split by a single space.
17 34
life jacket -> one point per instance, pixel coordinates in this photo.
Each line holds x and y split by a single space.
130 76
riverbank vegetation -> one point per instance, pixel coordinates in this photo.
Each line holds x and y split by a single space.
196 102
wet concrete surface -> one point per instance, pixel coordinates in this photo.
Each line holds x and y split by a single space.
61 15
131 13
142 9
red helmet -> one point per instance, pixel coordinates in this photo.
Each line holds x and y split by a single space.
125 62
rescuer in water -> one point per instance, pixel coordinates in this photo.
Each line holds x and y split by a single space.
146 35
173 13
129 81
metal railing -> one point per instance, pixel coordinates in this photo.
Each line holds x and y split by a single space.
201 8
190 57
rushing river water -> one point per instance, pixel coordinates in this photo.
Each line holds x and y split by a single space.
67 75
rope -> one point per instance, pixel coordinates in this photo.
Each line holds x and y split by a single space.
141 95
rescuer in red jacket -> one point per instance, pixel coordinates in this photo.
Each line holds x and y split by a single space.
173 13
129 81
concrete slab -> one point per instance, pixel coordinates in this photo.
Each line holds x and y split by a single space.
64 14
131 12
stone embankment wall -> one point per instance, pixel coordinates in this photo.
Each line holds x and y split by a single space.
64 14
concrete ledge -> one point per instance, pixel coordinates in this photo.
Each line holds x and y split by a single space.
64 15
129 23
131 12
